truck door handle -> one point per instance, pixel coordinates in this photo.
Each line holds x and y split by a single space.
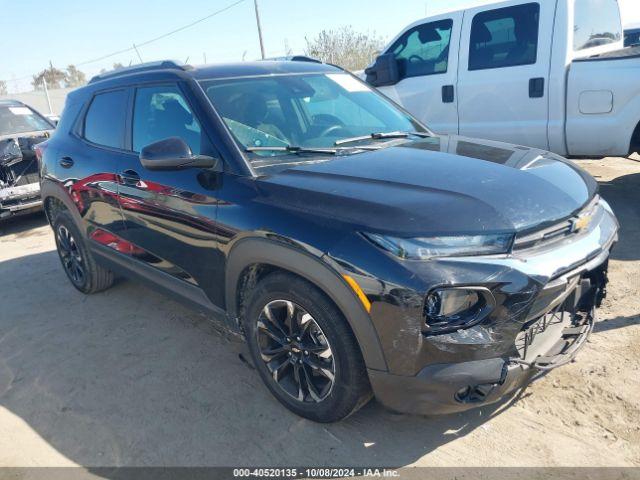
130 177
536 87
447 94
66 162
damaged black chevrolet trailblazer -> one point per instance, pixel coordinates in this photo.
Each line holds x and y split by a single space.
357 252
21 130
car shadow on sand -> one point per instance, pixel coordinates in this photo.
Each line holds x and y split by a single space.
22 225
623 194
129 377
616 323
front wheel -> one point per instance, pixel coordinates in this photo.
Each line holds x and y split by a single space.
304 349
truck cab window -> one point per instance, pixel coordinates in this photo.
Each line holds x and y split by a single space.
504 37
596 23
423 50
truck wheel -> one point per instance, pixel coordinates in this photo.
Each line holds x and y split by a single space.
304 349
78 262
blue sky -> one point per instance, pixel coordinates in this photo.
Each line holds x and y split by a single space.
73 31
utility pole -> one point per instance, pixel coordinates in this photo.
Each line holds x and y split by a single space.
136 49
46 94
255 3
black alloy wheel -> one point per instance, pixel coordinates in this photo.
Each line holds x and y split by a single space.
70 256
296 351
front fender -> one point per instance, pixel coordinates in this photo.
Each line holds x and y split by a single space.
251 251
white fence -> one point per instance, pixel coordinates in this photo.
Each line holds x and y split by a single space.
38 100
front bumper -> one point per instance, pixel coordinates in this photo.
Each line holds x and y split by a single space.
482 364
19 199
455 387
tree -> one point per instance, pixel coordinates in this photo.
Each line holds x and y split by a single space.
74 77
117 66
55 78
3 88
344 47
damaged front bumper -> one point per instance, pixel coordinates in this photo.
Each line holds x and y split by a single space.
19 199
554 328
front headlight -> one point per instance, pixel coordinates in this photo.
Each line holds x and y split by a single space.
445 246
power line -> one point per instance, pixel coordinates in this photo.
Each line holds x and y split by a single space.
146 42
164 35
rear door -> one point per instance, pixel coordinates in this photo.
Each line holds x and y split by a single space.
504 73
88 165
427 56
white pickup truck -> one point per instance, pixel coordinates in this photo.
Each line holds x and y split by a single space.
551 74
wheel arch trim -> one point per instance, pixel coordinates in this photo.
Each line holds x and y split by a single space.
50 189
251 251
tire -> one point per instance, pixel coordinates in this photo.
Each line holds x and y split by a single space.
331 381
77 261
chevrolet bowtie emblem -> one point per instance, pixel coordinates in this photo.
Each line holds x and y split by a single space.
581 223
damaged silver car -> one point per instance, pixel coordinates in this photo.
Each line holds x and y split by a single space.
22 129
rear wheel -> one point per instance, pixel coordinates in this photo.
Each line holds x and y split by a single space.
304 350
77 261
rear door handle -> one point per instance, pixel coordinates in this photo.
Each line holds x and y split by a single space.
536 87
448 95
130 177
66 162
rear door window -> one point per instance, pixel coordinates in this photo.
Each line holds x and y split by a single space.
105 121
423 50
504 37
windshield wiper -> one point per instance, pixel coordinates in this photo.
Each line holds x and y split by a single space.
293 149
381 136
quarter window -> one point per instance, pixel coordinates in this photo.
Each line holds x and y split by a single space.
105 119
596 22
162 112
505 37
423 50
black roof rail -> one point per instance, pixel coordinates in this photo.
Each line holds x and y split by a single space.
143 67
294 58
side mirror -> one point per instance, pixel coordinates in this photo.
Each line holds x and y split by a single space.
173 153
384 71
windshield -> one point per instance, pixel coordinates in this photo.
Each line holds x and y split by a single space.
303 110
20 119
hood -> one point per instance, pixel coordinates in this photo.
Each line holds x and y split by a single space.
439 185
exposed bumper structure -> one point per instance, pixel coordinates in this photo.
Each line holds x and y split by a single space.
557 325
19 199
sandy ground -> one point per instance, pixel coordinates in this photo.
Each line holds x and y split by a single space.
129 377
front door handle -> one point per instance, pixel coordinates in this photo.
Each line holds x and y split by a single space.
130 177
66 162
448 94
536 88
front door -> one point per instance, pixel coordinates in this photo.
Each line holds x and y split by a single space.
504 73
426 56
170 215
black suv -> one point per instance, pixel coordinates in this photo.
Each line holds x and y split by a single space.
356 251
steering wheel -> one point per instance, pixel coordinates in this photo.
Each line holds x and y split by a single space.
416 59
332 129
